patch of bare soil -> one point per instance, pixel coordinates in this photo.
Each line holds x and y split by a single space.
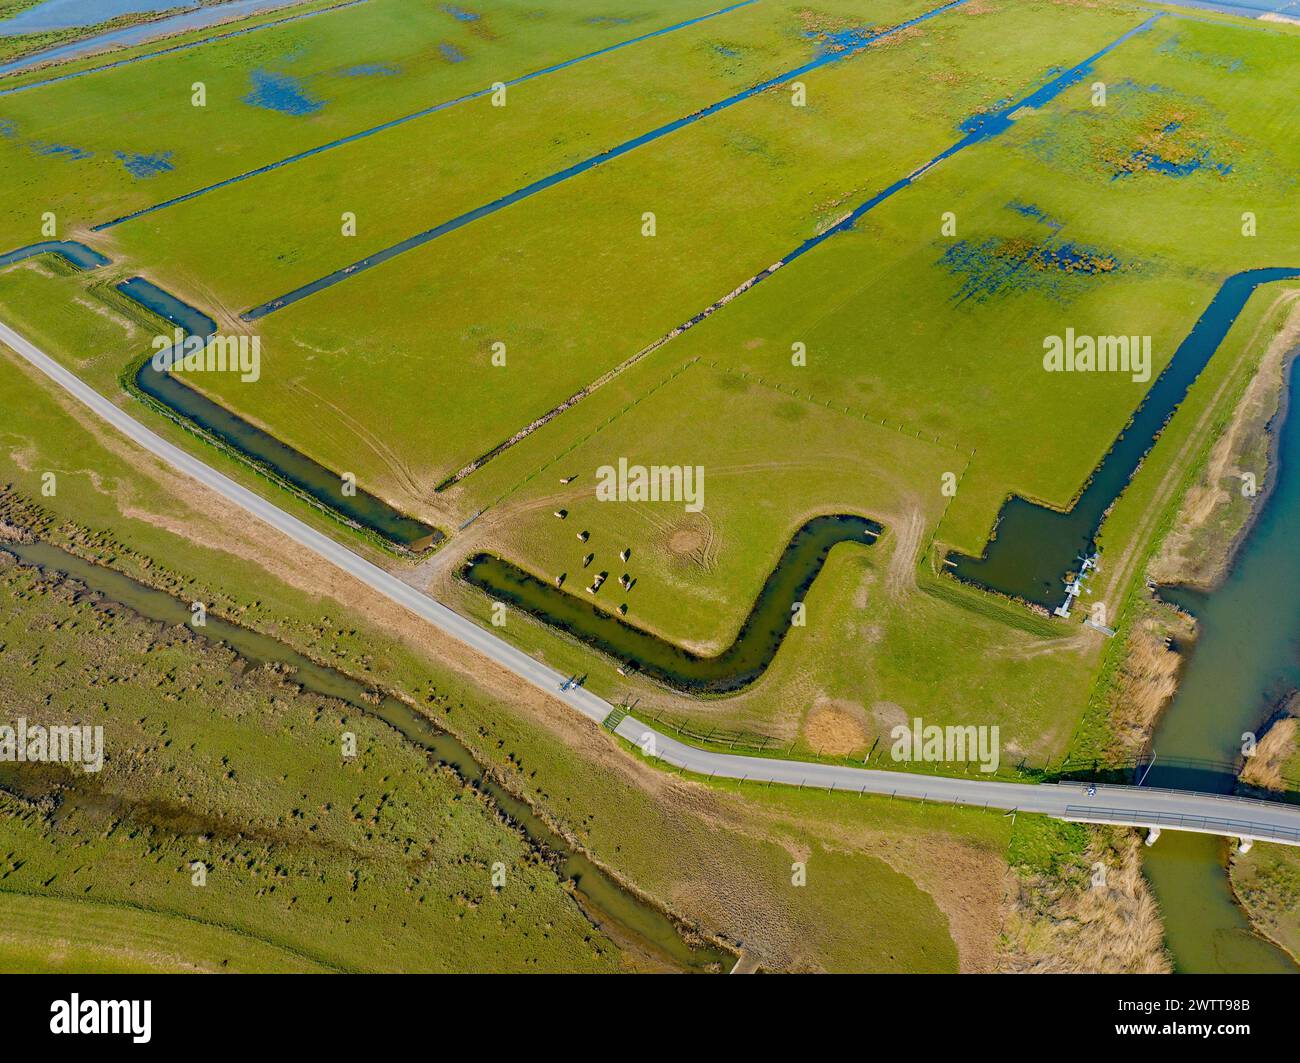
690 539
835 728
887 715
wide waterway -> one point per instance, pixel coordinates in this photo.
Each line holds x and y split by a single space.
1245 661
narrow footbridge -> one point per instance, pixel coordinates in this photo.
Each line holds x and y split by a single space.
1243 818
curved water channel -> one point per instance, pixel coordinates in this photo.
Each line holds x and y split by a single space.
628 920
1246 660
638 650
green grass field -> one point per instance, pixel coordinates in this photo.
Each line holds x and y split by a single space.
312 862
864 856
922 325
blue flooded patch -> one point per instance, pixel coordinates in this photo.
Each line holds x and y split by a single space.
842 40
1173 149
451 53
63 151
371 70
460 14
996 267
1144 129
1172 152
8 129
608 20
1144 160
281 92
1174 47
145 165
1028 210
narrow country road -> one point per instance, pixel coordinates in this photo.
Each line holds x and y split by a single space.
1140 806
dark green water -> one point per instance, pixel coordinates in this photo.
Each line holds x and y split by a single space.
72 252
736 667
359 509
1246 659
1034 546
628 920
259 447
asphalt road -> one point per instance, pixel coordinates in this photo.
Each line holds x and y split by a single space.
1179 810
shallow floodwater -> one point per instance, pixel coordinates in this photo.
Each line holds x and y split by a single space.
1247 658
71 14
76 13
626 918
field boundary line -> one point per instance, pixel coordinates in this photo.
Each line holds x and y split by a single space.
996 123
393 123
1155 807
410 243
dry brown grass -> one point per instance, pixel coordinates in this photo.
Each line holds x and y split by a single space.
835 728
1274 752
1148 679
1064 925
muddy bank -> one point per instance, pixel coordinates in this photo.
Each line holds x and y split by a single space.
1217 514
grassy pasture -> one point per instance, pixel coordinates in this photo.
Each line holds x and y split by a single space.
267 237
363 393
1177 237
51 935
562 280
379 863
25 44
343 71
968 368
698 573
878 647
719 855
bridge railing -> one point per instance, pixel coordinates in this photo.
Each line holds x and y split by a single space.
1233 828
